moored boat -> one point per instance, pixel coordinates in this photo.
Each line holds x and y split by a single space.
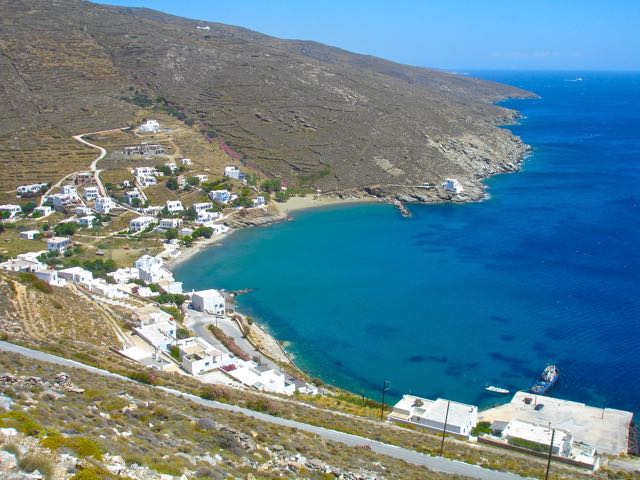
547 380
500 390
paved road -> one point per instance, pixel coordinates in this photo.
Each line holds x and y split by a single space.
438 464
198 322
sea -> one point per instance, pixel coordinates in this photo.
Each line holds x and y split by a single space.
458 297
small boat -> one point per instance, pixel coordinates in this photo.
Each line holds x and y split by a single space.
493 389
547 380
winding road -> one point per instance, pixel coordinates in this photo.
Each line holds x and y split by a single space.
438 464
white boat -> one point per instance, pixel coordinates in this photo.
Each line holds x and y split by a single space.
493 389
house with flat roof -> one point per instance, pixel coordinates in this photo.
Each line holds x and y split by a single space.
234 172
43 211
87 221
141 223
210 301
132 195
159 335
91 193
58 244
174 206
221 196
22 265
263 378
10 211
460 418
76 275
453 185
167 223
104 205
198 356
51 277
150 126
29 234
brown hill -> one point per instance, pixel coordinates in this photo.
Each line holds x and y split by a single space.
305 112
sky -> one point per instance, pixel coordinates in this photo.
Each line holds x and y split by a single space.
449 34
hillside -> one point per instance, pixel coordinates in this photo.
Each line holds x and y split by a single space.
307 113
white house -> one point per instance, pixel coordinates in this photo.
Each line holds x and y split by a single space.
258 201
219 229
151 270
174 206
51 277
159 335
461 418
234 172
58 244
99 286
150 126
202 207
210 301
172 166
186 161
149 315
91 193
202 177
87 221
104 205
31 189
147 181
185 232
539 435
145 172
76 275
222 196
12 211
167 223
204 29
263 378
141 223
452 185
29 234
81 211
124 275
152 210
60 201
69 190
206 217
132 195
43 211
198 356
22 265
169 285
148 262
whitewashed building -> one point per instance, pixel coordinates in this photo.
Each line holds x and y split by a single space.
221 196
43 211
159 335
124 275
58 244
32 189
91 193
202 177
258 201
70 190
87 221
167 223
81 211
460 419
141 223
210 301
104 205
51 277
234 172
76 275
150 126
186 161
174 206
132 195
198 356
29 234
12 211
452 185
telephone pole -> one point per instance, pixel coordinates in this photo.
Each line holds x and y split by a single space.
444 429
553 434
385 386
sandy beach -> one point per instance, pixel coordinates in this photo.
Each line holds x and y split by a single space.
312 201
197 247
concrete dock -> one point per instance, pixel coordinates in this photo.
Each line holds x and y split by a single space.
606 429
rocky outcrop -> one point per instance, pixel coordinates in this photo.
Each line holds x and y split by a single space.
255 217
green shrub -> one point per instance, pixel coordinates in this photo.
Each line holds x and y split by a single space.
82 446
93 473
32 462
21 422
481 428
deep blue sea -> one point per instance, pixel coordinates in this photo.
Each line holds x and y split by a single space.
547 270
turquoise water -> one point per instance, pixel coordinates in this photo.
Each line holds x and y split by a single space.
546 270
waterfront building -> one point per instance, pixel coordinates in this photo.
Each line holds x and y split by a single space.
210 301
198 356
167 223
452 185
431 414
258 201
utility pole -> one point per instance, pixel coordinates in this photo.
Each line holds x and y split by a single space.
553 434
444 429
385 386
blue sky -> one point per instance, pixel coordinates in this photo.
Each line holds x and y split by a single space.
450 34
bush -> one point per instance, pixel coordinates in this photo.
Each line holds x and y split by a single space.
143 377
35 282
172 184
174 351
21 422
32 462
66 229
93 473
81 446
481 428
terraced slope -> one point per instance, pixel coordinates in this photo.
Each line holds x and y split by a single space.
307 113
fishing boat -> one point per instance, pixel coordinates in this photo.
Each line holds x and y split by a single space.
493 389
547 380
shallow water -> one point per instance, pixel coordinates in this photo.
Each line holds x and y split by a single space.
460 296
